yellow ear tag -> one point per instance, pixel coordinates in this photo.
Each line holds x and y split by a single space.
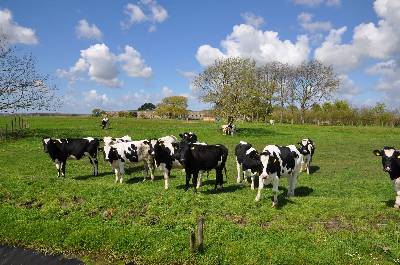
192 148
398 156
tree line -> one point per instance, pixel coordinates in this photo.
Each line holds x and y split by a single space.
238 88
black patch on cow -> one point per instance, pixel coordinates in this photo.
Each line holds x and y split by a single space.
248 160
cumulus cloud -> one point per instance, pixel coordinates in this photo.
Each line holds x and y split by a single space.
166 91
252 19
369 40
85 31
14 32
263 46
102 66
305 20
315 3
144 11
133 64
347 89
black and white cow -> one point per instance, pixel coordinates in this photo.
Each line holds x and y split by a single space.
201 157
391 164
118 154
104 122
108 140
189 136
62 149
307 149
279 161
228 129
248 160
163 152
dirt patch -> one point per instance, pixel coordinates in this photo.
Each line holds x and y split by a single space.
134 212
265 225
31 204
236 219
108 213
77 200
334 224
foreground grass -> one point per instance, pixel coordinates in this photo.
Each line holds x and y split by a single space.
342 212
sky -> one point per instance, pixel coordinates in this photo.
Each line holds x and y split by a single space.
116 55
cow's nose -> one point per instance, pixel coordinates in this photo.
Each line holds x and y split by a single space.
387 169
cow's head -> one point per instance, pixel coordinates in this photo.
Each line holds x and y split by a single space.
189 137
148 147
182 151
46 142
270 163
306 146
110 153
390 158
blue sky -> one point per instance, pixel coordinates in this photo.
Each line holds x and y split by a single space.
119 54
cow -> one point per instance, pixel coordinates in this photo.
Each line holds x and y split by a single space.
248 160
104 123
118 154
188 136
201 157
162 152
279 161
391 165
228 129
108 140
271 122
62 149
307 149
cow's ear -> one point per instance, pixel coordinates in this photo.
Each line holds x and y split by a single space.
181 135
377 152
298 143
146 142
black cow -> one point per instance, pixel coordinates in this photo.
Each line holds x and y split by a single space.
391 164
307 149
279 161
248 160
104 123
62 149
189 136
201 157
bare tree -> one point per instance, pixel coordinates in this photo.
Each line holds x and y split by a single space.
313 83
22 87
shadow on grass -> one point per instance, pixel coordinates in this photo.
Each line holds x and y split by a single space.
303 191
389 203
91 176
314 169
225 189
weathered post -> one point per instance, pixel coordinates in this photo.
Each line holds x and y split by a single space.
200 222
192 241
12 126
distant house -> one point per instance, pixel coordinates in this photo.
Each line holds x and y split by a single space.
205 115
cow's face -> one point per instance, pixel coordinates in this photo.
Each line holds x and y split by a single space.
389 156
305 147
270 164
189 137
149 148
182 151
110 153
46 143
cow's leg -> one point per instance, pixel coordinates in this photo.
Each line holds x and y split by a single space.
121 172
188 175
220 177
275 190
151 169
167 172
58 166
308 165
292 185
396 184
194 180
199 179
260 187
63 164
94 163
115 167
239 173
252 181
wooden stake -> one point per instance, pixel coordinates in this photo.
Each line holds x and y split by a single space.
192 241
200 222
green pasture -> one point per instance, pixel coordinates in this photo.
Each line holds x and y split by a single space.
343 212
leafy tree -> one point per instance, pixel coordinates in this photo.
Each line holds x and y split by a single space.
97 112
172 107
314 83
22 87
147 106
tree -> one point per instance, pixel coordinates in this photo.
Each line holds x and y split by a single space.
172 107
235 88
97 112
147 106
313 83
22 87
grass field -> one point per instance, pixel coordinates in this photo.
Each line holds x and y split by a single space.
342 213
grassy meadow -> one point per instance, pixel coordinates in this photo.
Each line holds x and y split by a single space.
342 213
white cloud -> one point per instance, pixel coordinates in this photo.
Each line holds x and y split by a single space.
134 65
187 74
305 20
84 30
369 40
166 91
252 19
315 3
102 66
262 46
348 90
93 97
144 11
13 32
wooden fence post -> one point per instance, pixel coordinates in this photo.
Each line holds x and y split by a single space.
192 241
12 126
200 222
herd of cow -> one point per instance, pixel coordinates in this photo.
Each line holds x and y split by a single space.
197 158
